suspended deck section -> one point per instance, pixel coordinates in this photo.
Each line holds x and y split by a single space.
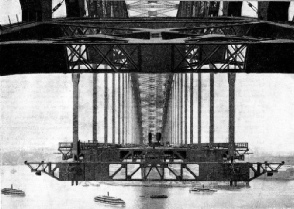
108 162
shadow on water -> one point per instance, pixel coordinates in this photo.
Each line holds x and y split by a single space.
145 193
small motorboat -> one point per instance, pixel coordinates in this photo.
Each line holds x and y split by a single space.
109 200
202 190
11 191
158 196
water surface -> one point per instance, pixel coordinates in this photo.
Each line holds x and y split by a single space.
46 193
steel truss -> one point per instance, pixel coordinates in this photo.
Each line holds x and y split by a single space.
196 29
128 58
264 168
159 171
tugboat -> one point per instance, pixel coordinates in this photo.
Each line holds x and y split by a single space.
109 200
11 191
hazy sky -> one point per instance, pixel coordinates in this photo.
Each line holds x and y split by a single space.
36 110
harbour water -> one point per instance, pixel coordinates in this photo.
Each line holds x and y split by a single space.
46 193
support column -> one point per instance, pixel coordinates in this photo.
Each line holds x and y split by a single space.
75 150
127 108
199 107
119 110
181 106
94 107
123 109
175 111
178 108
191 108
211 126
133 119
105 108
113 108
171 114
231 79
135 139
186 108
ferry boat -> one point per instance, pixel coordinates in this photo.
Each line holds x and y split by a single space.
109 200
11 191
